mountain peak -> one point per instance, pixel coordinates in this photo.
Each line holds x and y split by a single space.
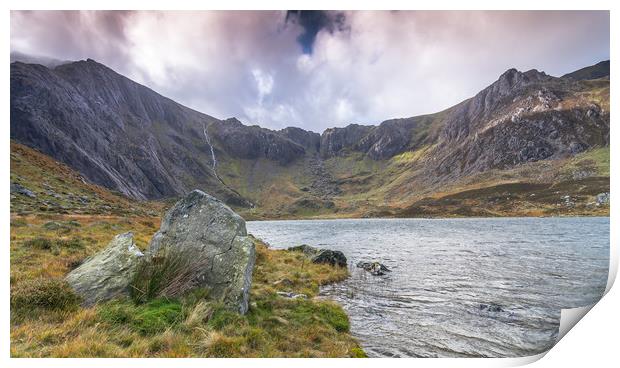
513 78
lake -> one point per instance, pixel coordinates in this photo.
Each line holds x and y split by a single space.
444 272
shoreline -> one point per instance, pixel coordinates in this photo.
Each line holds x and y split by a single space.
415 218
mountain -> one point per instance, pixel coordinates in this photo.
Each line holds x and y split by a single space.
600 70
36 59
126 137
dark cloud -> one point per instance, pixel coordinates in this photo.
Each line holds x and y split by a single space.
317 69
313 21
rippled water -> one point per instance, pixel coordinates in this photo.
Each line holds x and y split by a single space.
444 269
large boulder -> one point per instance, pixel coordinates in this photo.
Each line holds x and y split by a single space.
316 255
212 240
107 274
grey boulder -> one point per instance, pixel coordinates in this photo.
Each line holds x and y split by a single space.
107 274
20 189
212 240
316 255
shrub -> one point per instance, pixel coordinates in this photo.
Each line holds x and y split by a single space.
358 353
73 243
39 243
49 294
49 244
52 225
18 223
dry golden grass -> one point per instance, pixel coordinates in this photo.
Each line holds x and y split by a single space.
188 327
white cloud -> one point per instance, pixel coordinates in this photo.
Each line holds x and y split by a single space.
264 83
380 66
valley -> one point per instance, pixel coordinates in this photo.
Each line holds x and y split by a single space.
527 145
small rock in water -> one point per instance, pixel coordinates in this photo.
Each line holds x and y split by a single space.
375 268
491 307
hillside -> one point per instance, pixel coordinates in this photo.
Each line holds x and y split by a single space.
58 219
599 70
526 128
39 184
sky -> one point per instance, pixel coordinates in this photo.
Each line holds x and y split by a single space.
317 69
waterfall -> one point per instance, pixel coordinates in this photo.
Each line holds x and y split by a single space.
208 139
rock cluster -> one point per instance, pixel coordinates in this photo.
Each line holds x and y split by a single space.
202 232
316 255
375 268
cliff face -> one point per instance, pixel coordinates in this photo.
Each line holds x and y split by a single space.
124 136
522 117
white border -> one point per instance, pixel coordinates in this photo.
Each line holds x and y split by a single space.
592 341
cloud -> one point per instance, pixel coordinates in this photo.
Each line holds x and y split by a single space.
321 69
264 83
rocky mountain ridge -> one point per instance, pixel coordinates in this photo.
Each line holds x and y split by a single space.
124 136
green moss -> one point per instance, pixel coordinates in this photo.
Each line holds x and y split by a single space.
157 316
147 319
306 311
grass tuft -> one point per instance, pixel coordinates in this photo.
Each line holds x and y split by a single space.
28 297
168 273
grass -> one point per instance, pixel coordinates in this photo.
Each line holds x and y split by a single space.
32 297
59 189
596 160
166 274
47 320
149 318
